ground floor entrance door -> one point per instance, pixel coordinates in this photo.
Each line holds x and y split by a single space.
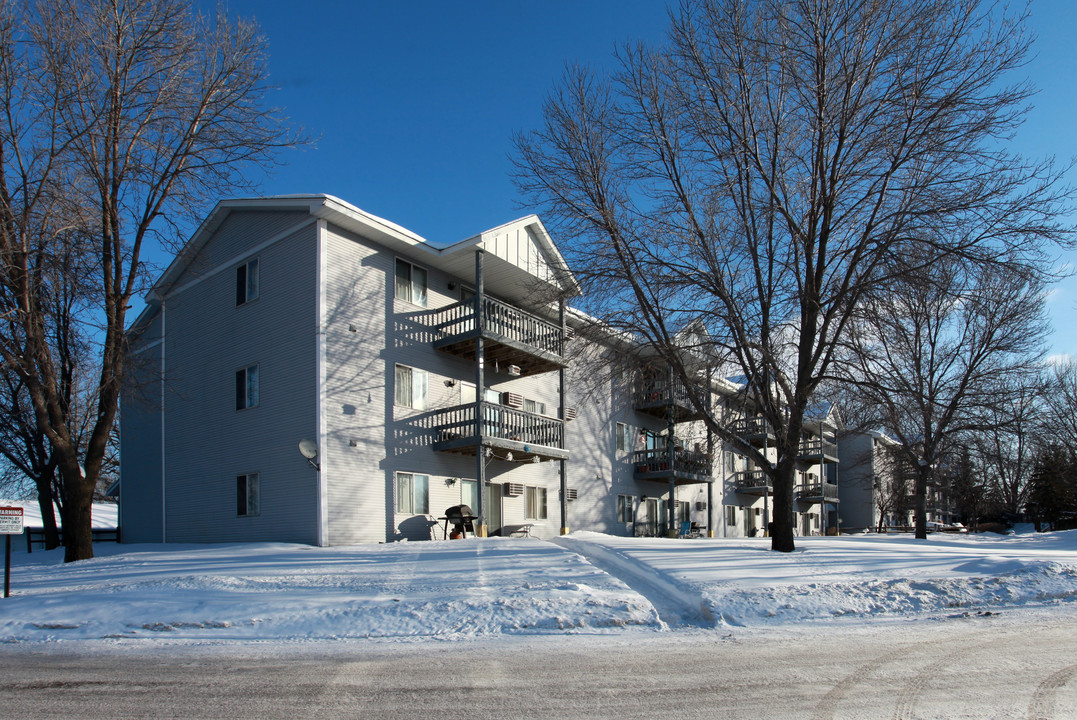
493 509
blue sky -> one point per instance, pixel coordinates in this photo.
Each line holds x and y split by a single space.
414 103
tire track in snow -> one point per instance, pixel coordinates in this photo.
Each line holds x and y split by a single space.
1042 706
675 604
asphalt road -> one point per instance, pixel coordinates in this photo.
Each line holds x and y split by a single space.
975 667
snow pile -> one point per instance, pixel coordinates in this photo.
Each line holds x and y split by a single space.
105 515
584 583
265 591
741 582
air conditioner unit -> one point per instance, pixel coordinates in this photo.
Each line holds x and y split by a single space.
512 400
513 489
701 506
570 414
514 370
571 494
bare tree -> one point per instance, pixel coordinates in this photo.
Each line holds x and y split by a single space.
758 171
1058 414
121 120
944 354
1007 442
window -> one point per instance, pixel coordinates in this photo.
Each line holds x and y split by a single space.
247 494
624 508
412 493
731 515
536 503
534 406
247 282
247 387
410 283
624 436
411 386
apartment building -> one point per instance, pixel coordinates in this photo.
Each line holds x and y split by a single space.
307 372
878 485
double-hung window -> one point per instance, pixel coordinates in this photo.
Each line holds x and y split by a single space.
411 387
247 387
534 406
731 515
412 493
247 282
624 436
410 283
624 508
247 494
536 503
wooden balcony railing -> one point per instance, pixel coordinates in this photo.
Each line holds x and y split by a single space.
818 450
515 336
753 429
527 435
752 482
686 466
817 492
658 398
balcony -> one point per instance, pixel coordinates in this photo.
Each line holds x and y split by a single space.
817 493
753 430
753 482
512 336
686 466
527 436
817 451
660 399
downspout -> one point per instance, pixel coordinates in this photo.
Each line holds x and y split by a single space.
322 492
164 504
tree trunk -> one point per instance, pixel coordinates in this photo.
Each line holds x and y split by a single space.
920 505
77 513
781 538
45 504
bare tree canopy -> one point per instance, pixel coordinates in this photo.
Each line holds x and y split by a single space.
120 120
762 169
937 356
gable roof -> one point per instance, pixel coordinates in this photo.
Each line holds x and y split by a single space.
521 262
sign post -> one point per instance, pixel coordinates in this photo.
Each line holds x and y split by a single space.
10 524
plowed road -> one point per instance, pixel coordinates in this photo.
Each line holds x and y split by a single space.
976 667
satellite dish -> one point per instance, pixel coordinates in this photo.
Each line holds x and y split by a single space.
308 448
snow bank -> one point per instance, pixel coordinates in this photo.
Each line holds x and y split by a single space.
281 592
743 583
105 515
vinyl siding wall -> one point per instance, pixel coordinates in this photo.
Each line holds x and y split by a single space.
369 440
140 438
208 339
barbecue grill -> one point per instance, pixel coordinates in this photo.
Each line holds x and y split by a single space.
462 519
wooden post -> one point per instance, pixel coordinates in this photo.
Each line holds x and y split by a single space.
564 425
480 397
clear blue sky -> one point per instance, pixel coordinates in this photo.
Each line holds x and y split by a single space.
415 102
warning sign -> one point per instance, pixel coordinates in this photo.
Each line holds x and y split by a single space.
10 520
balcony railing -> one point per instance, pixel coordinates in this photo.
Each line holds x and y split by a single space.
818 450
752 482
817 492
526 435
686 466
661 397
754 430
515 337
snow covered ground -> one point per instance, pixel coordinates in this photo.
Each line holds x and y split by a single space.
585 583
